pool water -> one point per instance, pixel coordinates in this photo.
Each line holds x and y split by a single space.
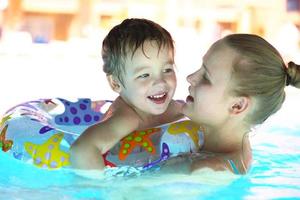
275 173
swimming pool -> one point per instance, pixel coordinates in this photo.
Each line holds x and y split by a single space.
274 174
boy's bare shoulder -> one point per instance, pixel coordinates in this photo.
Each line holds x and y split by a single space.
121 113
174 111
177 105
120 107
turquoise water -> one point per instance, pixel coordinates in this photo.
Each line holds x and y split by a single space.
275 175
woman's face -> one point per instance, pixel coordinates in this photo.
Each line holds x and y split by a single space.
209 100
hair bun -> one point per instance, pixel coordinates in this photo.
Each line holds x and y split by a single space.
291 64
293 74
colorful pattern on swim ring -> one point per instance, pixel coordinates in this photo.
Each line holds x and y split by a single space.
48 154
165 154
4 119
78 113
106 162
188 127
5 145
137 138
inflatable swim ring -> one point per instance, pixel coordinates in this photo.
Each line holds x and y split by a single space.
41 132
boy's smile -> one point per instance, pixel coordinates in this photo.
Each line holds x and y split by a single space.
158 99
149 79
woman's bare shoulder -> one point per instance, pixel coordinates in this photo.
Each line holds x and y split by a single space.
238 162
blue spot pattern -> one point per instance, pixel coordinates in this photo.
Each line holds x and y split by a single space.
78 113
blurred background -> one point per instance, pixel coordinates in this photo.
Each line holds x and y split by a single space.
51 48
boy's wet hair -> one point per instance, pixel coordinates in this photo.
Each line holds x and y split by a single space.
126 38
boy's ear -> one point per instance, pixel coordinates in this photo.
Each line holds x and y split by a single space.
114 84
240 105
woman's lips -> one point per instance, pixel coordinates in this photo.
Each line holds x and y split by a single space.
159 98
189 99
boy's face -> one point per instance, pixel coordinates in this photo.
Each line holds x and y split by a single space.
149 79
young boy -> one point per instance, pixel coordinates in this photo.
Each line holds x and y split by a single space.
138 57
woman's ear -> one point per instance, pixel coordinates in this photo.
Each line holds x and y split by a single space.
240 105
114 84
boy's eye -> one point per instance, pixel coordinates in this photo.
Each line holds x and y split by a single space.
143 76
168 70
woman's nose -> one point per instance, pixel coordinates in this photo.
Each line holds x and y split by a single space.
191 78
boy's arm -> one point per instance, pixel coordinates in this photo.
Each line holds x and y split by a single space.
87 150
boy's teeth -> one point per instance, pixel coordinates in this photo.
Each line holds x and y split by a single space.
158 96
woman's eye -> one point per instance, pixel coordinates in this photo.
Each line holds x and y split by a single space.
143 76
205 79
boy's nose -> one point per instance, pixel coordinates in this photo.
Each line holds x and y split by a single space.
159 80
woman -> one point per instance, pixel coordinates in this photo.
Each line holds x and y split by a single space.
239 85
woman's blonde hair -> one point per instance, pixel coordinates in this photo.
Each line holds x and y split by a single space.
260 72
